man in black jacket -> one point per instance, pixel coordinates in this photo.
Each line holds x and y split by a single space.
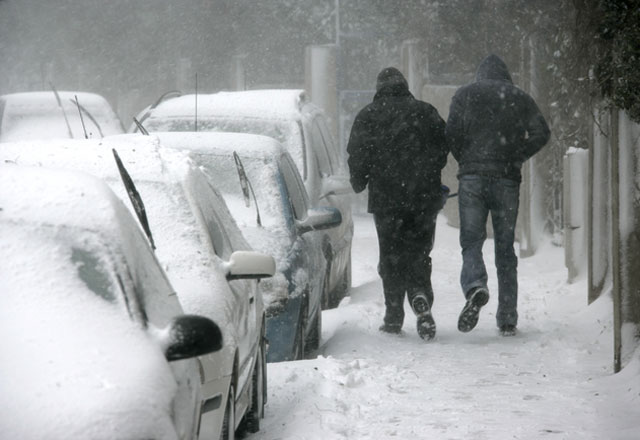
397 148
493 127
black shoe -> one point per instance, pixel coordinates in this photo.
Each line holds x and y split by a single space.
508 330
425 325
469 315
394 329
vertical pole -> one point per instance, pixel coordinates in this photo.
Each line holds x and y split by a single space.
238 73
411 66
590 212
615 235
321 81
337 11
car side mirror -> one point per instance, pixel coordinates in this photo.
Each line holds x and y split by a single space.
188 336
244 265
318 219
335 185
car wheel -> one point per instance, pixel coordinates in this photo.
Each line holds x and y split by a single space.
229 421
327 295
251 421
264 367
313 341
299 342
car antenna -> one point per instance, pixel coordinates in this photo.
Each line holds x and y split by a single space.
89 115
246 185
81 118
140 126
196 113
134 196
66 120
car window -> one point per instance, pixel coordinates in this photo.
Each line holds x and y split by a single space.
295 187
320 150
206 202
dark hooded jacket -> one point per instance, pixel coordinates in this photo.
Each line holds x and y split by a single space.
493 126
397 147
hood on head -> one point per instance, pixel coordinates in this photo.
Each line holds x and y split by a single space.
492 67
391 77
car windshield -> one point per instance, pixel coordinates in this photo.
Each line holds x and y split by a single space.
263 175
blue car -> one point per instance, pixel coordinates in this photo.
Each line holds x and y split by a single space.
266 196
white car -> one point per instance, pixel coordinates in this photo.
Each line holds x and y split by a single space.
52 114
264 192
288 116
204 255
88 318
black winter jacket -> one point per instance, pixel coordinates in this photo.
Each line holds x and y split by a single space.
397 147
493 126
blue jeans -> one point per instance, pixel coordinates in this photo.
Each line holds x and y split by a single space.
477 196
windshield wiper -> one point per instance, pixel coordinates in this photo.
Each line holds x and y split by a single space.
82 110
140 126
66 120
163 97
134 196
246 186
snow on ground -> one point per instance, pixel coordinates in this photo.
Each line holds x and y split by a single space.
553 380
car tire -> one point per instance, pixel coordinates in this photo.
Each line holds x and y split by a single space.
299 342
327 294
251 421
313 341
229 421
346 280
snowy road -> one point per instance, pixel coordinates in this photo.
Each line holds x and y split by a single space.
545 383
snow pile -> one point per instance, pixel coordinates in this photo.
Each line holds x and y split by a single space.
554 379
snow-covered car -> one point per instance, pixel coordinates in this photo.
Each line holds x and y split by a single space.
88 318
205 256
53 114
301 127
264 192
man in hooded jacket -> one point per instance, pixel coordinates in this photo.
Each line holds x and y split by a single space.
397 148
493 127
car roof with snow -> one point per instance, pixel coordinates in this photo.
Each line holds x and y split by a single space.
250 145
39 115
259 104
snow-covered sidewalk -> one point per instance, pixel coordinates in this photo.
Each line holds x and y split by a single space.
552 380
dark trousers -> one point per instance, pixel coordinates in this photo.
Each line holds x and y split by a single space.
477 196
405 240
